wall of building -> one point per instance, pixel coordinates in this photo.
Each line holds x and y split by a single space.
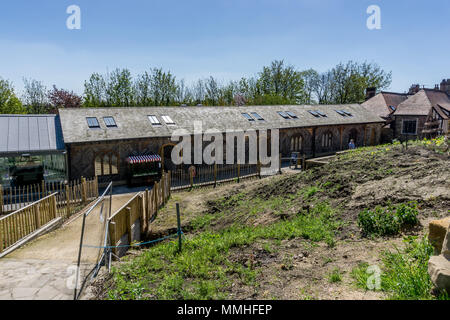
82 156
398 132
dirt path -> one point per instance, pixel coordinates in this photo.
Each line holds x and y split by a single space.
41 269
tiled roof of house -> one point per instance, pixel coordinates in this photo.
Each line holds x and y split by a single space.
133 122
421 103
381 103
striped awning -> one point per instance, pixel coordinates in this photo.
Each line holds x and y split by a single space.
143 159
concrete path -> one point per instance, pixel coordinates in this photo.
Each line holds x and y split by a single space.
44 269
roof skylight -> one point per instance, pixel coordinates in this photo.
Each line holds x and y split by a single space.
168 120
154 120
283 114
248 117
109 122
92 122
257 116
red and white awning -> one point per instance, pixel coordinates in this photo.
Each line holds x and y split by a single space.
143 159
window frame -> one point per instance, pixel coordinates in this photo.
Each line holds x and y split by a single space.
247 116
415 127
257 116
150 117
291 114
168 120
96 121
114 123
284 115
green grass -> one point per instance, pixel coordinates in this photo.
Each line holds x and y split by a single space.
203 269
335 276
388 221
404 273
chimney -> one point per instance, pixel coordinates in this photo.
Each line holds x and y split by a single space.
414 89
370 93
445 86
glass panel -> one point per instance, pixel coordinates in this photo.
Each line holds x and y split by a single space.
154 120
248 117
93 122
109 122
257 116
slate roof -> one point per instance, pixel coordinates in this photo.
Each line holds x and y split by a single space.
30 134
421 103
133 122
380 103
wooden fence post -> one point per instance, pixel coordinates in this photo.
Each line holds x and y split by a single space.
129 223
215 174
112 235
67 201
163 185
170 183
37 217
1 199
83 190
191 177
303 162
155 186
2 231
53 206
43 188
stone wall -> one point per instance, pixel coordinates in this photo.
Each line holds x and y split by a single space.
82 155
398 131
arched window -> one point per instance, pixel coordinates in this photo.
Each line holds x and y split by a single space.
114 165
98 166
296 143
106 165
327 140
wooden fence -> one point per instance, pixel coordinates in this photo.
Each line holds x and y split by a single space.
69 195
19 224
127 224
48 203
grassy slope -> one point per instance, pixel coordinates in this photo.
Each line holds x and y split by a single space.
314 207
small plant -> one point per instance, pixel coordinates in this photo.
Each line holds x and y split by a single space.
335 276
388 221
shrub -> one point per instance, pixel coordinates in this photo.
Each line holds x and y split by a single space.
388 221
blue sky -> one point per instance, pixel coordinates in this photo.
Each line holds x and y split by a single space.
224 38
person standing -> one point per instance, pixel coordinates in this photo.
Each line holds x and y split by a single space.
351 144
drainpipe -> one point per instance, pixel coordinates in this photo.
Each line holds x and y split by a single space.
314 143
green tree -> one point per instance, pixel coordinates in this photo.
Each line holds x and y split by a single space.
35 97
95 91
281 84
350 81
9 103
119 88
163 88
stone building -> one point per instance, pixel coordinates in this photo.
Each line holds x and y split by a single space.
420 113
100 140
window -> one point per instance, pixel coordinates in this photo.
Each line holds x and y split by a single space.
109 122
347 113
296 143
392 108
92 122
327 140
257 116
291 114
315 114
320 113
154 120
283 114
168 120
106 164
341 113
248 117
409 126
